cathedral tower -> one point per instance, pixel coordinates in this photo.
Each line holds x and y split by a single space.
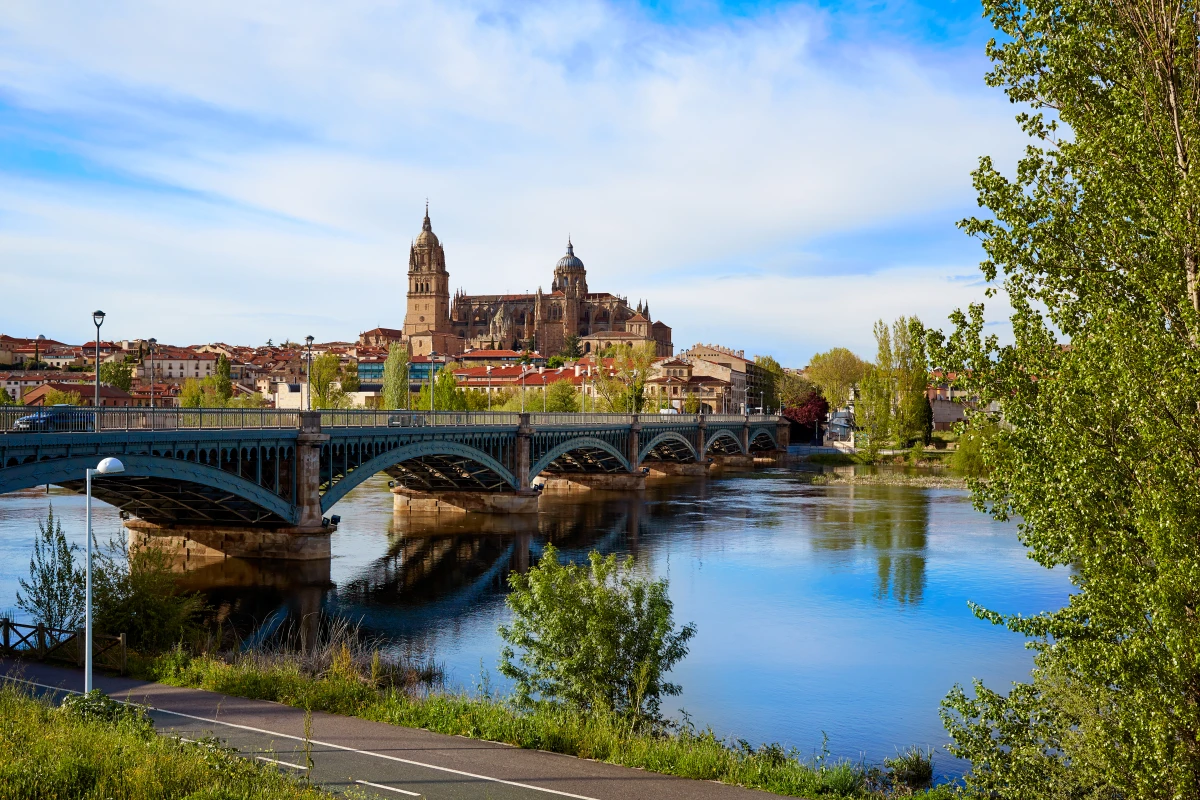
428 284
570 277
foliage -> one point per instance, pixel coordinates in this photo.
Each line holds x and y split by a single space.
54 593
571 349
873 412
349 380
691 403
118 374
624 390
970 457
836 373
925 420
6 399
1096 239
773 376
592 638
395 377
206 393
221 382
93 749
57 397
554 362
561 396
134 593
447 396
192 394
323 382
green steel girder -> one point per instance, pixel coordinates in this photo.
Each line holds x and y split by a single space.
726 442
587 447
669 446
759 438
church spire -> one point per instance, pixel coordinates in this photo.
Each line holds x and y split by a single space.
426 225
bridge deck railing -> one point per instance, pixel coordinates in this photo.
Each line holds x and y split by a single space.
371 418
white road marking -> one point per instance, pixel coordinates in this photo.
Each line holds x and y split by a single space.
326 744
281 763
389 788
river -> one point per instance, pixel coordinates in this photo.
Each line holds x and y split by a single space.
839 609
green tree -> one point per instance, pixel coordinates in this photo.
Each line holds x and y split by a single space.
691 403
624 390
571 349
6 399
136 593
562 397
1095 237
554 362
53 595
118 374
58 397
323 381
192 394
395 377
595 637
773 379
836 373
447 395
221 382
350 377
873 412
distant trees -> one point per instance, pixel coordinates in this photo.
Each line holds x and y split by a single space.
57 397
571 349
323 382
836 373
892 406
562 397
118 374
222 382
395 377
624 390
350 382
6 399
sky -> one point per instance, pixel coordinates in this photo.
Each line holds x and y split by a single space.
769 176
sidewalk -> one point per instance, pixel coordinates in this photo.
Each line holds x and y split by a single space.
385 760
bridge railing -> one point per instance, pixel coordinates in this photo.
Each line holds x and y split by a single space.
85 419
578 418
371 418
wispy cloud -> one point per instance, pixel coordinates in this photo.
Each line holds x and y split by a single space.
217 170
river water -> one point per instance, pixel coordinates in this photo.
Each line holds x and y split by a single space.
838 609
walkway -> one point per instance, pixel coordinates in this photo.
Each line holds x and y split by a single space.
384 760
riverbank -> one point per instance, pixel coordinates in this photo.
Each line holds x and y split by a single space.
683 752
103 750
889 477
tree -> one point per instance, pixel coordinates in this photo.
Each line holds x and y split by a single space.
836 373
594 638
192 394
447 396
571 349
57 397
222 383
350 377
624 391
873 411
1096 240
6 399
53 595
554 362
395 377
118 374
323 382
562 397
773 379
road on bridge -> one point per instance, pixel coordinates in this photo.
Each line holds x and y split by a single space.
383 760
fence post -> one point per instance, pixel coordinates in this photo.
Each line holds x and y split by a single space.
41 640
123 655
7 635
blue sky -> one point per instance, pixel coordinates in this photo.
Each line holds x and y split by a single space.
771 176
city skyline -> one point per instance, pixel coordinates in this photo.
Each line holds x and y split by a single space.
772 175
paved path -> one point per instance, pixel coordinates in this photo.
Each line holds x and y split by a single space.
386 760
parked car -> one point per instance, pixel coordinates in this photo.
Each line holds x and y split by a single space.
57 418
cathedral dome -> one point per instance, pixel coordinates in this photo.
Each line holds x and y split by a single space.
426 238
569 261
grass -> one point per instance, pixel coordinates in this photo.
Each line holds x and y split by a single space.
345 687
95 748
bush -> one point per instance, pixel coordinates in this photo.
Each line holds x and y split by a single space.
593 637
54 593
135 594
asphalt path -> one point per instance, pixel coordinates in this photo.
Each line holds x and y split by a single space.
386 761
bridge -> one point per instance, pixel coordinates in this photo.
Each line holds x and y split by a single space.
260 482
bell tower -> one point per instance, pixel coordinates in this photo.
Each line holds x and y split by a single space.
428 283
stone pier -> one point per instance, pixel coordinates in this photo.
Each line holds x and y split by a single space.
205 543
660 469
412 500
587 481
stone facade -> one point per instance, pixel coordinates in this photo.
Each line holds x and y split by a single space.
541 321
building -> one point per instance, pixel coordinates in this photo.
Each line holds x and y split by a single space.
676 380
110 396
543 321
380 337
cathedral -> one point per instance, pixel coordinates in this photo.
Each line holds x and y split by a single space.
436 322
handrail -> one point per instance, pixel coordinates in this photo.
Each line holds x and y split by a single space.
61 644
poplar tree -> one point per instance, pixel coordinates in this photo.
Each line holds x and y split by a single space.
395 377
1096 445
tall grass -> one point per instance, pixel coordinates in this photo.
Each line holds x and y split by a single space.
343 685
87 751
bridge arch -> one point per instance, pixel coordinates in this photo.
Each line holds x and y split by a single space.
155 488
727 440
672 437
759 438
434 450
582 444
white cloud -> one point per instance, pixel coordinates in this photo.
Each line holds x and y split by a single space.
313 132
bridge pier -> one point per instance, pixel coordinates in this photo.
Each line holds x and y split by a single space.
722 461
660 469
409 500
208 542
588 481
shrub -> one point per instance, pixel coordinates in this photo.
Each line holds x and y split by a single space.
593 637
54 593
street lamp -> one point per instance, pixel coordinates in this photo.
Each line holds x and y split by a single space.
98 318
108 466
152 342
308 374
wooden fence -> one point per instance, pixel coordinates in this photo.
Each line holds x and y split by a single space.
22 640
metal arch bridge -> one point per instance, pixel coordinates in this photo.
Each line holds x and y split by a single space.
261 468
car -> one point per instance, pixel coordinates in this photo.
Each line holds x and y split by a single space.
57 418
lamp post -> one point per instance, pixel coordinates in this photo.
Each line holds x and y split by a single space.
152 342
98 318
108 466
308 374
